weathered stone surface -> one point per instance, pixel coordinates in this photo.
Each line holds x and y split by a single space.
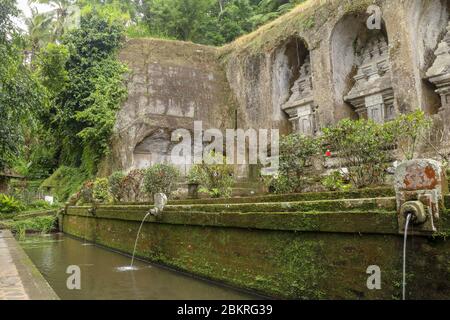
421 180
282 255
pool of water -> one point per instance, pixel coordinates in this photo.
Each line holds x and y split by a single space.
102 279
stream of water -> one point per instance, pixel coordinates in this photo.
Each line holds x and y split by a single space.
408 220
100 278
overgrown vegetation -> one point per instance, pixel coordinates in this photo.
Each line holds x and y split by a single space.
9 204
41 225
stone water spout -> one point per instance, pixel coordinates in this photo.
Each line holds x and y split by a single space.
420 186
160 201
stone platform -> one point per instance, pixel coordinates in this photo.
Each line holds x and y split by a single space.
19 278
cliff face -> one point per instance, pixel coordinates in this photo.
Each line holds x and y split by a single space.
261 67
171 84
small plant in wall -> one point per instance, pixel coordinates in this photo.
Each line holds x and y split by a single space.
161 178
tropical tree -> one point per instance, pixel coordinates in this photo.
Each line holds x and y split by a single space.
39 27
62 13
20 94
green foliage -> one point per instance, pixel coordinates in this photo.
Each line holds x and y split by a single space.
296 154
20 94
161 178
100 191
409 130
65 182
216 176
39 224
364 147
133 183
84 80
117 185
50 65
209 21
10 204
335 182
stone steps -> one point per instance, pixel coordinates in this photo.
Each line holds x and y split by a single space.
313 196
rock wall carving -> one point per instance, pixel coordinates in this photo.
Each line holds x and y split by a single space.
439 73
372 94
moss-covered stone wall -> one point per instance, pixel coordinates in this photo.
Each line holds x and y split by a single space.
287 255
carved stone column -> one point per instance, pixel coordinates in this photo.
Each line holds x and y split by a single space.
300 107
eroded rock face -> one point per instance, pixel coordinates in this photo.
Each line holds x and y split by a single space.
171 84
310 69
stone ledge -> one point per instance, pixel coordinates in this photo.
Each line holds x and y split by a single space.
28 281
380 222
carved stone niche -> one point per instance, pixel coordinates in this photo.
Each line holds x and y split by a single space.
301 107
439 73
372 94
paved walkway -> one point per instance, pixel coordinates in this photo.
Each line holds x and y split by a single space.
11 287
19 277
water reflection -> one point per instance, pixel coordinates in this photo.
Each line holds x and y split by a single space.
101 277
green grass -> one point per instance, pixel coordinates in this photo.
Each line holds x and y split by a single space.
39 224
65 182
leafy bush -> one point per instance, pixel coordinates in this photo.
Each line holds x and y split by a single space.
216 178
364 147
160 178
117 185
335 182
100 190
409 131
10 204
195 175
39 205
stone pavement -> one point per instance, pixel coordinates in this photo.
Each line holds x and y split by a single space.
11 287
19 277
